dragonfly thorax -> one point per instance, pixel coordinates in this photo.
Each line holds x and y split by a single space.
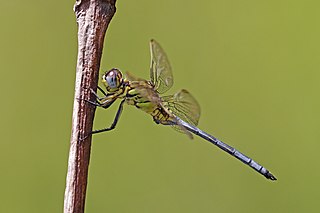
112 79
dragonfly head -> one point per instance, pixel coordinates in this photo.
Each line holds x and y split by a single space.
112 79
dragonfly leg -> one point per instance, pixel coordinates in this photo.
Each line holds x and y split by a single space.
104 102
96 95
115 121
98 104
101 90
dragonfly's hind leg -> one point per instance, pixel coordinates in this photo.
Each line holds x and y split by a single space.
115 121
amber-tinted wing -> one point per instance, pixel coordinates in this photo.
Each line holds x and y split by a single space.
131 77
183 105
160 69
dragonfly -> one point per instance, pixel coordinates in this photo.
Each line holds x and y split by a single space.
180 110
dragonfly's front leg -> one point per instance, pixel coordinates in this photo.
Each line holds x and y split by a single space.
115 121
97 96
108 101
96 103
98 99
104 102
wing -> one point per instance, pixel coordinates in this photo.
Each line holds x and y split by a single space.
131 77
183 105
160 69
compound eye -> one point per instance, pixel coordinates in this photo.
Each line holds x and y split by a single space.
113 78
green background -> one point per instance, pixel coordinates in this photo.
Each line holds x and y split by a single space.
252 65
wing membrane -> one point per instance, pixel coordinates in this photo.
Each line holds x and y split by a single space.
131 77
160 69
183 105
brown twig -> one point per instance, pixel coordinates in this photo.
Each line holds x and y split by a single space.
93 18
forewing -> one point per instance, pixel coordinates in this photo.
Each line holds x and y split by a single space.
160 69
131 77
183 105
